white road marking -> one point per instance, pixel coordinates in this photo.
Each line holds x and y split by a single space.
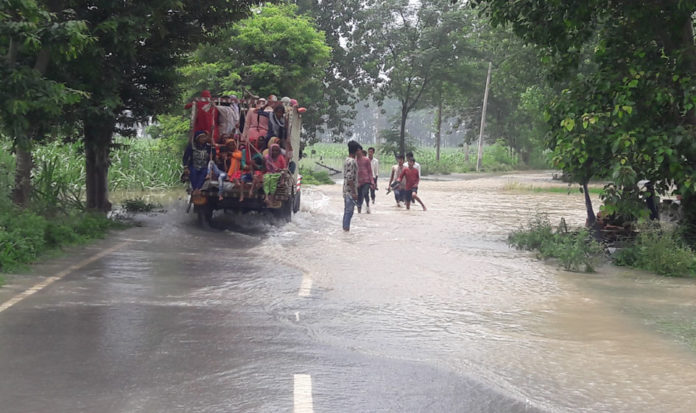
303 394
297 316
50 280
305 286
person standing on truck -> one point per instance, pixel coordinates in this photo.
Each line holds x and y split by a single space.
256 125
350 184
205 114
196 157
365 180
374 163
276 124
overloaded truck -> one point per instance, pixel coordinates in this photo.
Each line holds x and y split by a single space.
280 193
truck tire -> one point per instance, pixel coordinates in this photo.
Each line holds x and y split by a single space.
284 212
205 216
296 202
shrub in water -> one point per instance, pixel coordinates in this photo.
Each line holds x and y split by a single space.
575 250
659 251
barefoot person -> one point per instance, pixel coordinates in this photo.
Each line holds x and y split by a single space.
395 184
365 179
350 184
412 177
374 162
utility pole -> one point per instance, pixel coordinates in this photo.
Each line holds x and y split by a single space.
483 118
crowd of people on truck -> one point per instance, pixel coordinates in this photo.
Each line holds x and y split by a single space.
245 143
360 175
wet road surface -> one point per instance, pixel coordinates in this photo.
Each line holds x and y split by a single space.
412 311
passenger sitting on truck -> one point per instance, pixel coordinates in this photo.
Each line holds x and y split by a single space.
276 122
275 161
196 158
274 140
235 158
214 170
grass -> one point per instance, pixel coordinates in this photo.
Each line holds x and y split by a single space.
660 251
575 250
452 160
657 250
516 186
25 235
311 177
139 205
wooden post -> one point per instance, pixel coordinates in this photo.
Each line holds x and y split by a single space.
483 118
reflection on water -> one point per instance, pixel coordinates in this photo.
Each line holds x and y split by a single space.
443 288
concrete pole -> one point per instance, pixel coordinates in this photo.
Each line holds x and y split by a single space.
483 118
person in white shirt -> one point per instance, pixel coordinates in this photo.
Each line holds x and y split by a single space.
375 171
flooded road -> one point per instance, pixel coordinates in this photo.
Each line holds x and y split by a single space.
410 311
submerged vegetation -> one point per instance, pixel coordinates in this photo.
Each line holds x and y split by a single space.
575 250
661 251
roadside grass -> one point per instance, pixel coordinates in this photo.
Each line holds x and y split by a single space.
312 177
496 158
139 205
575 250
657 250
25 235
517 186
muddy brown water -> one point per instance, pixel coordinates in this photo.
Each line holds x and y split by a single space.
443 287
439 291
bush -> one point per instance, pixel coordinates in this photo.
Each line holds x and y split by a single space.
139 205
659 251
575 250
311 177
24 235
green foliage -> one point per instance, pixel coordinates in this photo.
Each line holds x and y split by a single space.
275 51
313 177
575 250
627 107
139 205
452 160
659 251
420 46
391 142
171 133
25 235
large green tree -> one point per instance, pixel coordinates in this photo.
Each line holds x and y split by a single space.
408 46
627 106
33 36
129 70
274 51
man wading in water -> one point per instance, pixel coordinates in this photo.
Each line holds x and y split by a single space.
350 184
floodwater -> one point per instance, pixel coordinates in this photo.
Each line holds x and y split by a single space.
443 287
410 311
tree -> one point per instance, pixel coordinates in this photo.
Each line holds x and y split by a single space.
129 70
407 47
627 70
344 75
275 51
32 36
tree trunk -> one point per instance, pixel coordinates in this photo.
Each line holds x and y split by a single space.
98 134
591 217
24 165
439 130
466 152
402 132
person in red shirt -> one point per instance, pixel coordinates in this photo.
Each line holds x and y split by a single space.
412 179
